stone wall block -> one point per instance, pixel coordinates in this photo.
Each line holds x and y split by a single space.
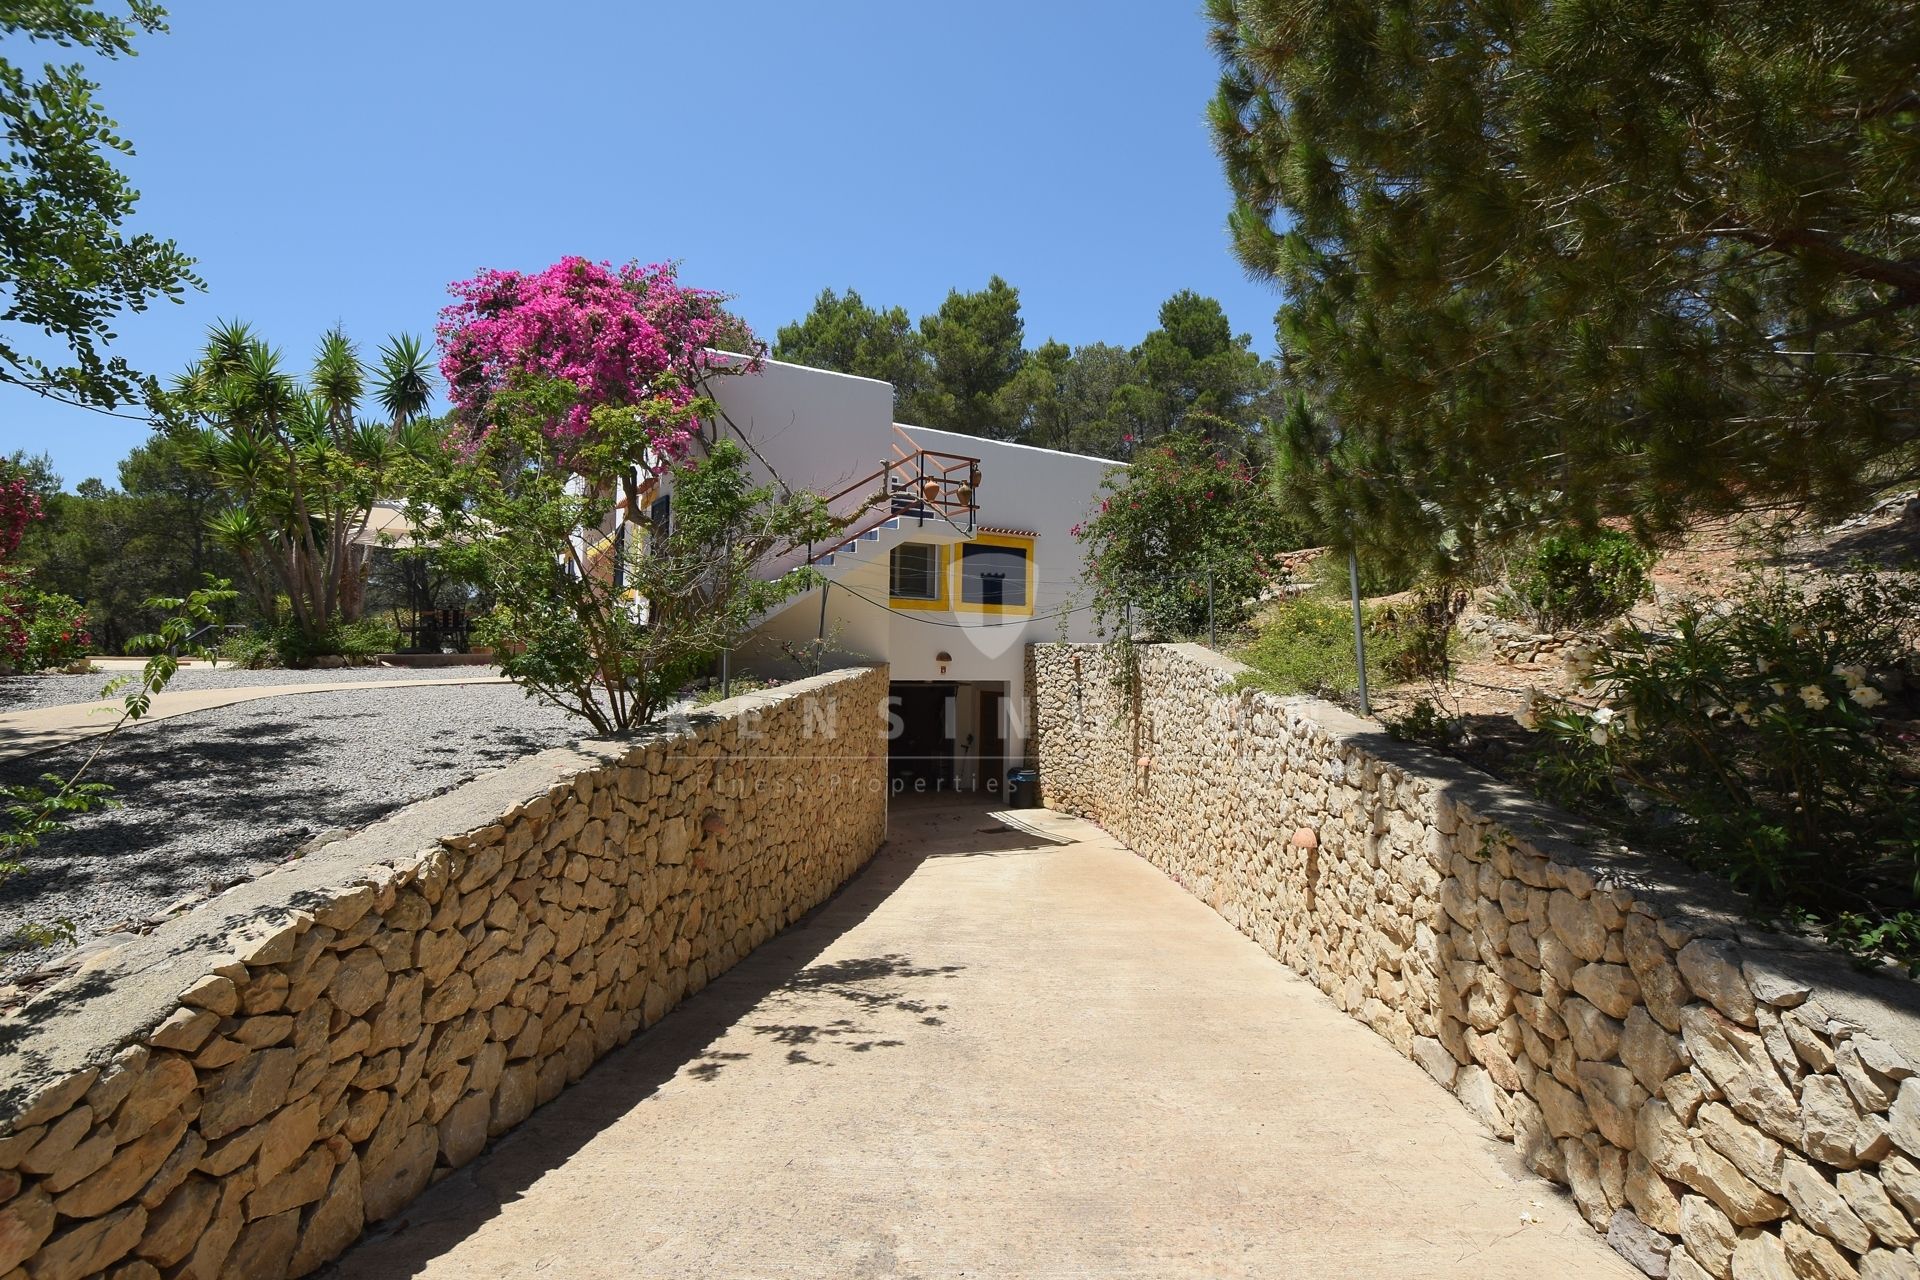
342 1054
1712 971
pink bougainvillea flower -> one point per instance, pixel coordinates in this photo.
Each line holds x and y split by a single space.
622 336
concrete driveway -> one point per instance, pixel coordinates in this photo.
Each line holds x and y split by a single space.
990 1056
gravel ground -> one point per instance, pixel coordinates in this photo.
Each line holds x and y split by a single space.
217 797
24 693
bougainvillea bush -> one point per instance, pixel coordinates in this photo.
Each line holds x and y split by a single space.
623 336
1767 738
573 389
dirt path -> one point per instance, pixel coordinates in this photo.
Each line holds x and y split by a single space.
993 1057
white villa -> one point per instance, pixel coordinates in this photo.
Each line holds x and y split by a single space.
966 559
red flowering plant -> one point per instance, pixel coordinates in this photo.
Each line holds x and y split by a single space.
37 628
1184 523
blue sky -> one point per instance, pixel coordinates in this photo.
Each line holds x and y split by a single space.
343 162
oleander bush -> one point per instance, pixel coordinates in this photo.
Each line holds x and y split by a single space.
1767 739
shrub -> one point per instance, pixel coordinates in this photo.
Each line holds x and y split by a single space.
57 636
248 650
1184 523
1378 576
1305 645
361 640
39 629
1758 733
1424 723
1422 629
1577 581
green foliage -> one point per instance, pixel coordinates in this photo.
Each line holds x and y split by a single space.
286 644
1197 375
1422 630
1077 399
297 468
56 632
113 548
249 650
67 265
1186 530
1378 576
974 342
1424 723
1549 264
844 334
1305 645
964 370
1574 580
1761 740
363 638
612 630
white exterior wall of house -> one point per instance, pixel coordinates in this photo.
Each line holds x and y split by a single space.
811 428
822 431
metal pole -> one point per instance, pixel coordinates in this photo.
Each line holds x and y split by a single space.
726 654
820 641
1359 627
1212 643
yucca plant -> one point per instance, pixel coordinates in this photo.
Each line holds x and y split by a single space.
300 468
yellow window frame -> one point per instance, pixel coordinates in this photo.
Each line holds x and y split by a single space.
955 562
939 601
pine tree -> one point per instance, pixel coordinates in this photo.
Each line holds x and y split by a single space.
846 335
975 343
1558 262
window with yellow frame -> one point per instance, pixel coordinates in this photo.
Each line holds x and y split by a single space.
992 573
916 576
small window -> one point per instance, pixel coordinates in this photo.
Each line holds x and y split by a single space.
993 575
916 571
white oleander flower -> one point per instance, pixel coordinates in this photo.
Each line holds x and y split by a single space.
1598 735
1814 696
1853 673
1779 688
1866 696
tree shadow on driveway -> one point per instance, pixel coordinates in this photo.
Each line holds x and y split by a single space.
888 997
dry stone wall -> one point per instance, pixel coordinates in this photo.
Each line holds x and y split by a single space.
240 1092
1723 1102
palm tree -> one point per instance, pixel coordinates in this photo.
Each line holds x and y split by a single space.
404 386
299 467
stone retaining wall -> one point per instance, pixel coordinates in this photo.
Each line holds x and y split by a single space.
1722 1101
239 1092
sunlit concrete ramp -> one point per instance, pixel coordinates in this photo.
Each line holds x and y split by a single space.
995 1055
